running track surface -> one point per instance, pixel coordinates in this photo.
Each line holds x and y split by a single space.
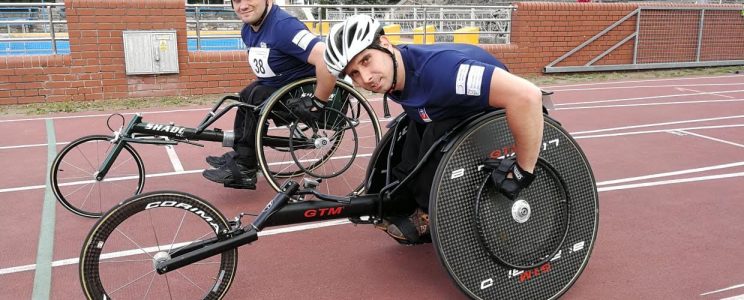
668 155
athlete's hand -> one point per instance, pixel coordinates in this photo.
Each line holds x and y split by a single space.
306 108
510 186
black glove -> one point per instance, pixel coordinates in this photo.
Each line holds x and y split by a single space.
306 108
510 187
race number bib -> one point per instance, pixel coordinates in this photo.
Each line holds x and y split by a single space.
259 60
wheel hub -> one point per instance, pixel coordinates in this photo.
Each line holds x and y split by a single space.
159 257
521 211
322 142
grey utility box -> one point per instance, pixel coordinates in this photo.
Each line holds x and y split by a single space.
150 52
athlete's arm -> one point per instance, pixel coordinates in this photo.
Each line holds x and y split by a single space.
522 101
326 80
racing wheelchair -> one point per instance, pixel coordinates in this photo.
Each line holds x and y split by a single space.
534 247
91 174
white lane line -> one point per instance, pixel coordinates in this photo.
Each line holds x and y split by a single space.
650 104
674 173
723 289
344 221
676 86
370 100
572 133
657 124
173 156
711 138
104 115
655 131
737 297
270 128
644 98
665 182
34 187
268 232
706 93
22 188
636 81
575 136
30 146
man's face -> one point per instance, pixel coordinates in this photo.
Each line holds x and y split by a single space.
372 70
249 11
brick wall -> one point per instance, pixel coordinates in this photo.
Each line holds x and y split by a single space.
545 31
94 69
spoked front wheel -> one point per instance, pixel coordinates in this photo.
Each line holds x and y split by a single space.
73 175
121 251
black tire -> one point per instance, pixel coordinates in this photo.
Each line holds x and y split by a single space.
117 260
72 176
469 260
275 123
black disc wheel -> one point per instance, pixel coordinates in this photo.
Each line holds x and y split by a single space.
74 169
121 251
533 247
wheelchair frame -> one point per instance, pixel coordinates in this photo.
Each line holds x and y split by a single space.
286 209
138 132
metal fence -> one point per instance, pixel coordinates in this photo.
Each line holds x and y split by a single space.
218 22
667 37
33 28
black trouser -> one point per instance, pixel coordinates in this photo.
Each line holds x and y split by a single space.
245 123
418 139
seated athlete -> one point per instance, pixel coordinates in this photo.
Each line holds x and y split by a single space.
280 51
438 86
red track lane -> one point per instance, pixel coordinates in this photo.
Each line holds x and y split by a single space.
675 240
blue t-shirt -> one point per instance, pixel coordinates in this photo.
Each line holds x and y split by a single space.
278 52
445 81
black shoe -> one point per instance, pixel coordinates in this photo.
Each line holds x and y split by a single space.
226 174
219 161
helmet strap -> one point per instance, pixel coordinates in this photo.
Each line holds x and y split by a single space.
386 108
263 16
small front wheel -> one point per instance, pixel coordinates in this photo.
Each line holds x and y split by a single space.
73 175
120 253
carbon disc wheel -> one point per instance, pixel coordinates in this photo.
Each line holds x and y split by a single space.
501 258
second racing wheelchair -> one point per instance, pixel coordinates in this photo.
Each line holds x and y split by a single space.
91 174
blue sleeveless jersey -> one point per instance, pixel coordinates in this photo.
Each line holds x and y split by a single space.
278 52
445 81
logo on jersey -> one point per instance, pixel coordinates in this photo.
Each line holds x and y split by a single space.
469 80
423 115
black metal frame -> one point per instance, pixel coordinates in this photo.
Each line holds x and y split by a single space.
140 132
281 211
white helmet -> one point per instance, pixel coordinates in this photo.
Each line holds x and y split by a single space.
347 39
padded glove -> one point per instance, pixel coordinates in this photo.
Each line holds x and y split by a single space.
509 187
306 108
